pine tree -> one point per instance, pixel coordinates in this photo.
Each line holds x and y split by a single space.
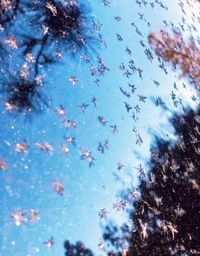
33 36
77 249
165 215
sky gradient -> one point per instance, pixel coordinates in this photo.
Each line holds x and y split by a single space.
28 182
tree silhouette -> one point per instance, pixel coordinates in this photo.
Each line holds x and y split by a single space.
182 54
165 215
77 249
166 218
24 95
36 34
60 26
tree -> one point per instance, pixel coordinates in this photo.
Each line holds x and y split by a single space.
165 217
48 31
179 53
78 249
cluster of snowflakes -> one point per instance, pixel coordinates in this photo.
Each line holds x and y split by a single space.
128 70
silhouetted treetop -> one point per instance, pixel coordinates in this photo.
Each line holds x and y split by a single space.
37 34
166 211
23 96
77 249
64 22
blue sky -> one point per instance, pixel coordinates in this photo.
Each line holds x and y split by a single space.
27 183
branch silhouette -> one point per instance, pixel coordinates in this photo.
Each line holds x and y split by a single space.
50 30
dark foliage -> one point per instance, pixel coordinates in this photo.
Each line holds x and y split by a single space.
58 25
116 238
78 249
165 217
24 95
64 21
34 35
